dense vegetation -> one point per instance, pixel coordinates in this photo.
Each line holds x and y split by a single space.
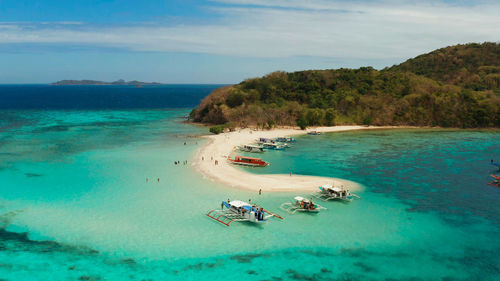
457 86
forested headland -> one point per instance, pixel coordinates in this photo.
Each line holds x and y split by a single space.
457 86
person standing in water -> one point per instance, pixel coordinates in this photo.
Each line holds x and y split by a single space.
260 191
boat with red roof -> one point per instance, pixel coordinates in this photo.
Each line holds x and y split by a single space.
248 161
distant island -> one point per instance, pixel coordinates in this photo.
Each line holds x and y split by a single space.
456 86
94 82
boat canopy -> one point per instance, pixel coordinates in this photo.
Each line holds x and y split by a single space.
335 187
300 198
239 204
253 146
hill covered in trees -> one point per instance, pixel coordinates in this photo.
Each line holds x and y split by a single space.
457 86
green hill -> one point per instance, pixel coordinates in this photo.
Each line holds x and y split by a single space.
457 86
472 66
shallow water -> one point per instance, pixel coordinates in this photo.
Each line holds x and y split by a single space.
76 204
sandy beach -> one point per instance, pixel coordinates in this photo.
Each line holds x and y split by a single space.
223 145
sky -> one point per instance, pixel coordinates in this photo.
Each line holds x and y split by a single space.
226 41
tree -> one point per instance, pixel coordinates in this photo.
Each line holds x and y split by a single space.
235 99
330 116
217 129
302 123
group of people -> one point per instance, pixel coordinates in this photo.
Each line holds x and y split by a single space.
259 211
179 162
307 204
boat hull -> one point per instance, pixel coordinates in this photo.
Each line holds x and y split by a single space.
248 164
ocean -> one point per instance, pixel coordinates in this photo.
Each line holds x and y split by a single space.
89 191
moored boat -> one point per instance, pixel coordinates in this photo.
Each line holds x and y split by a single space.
314 133
334 192
264 140
237 210
301 204
252 148
285 139
273 146
248 161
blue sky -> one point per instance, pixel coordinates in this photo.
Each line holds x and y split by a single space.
225 41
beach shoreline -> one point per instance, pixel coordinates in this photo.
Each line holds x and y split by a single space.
220 147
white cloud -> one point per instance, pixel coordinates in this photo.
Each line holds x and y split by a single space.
284 28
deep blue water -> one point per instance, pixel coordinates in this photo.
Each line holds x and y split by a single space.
101 97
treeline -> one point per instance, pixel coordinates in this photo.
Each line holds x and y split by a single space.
457 86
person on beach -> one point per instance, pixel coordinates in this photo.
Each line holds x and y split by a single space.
202 158
290 173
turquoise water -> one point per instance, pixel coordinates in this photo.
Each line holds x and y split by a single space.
75 204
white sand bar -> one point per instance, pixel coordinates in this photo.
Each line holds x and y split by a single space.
223 145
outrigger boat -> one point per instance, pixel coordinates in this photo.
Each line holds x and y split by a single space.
496 181
273 146
495 164
248 161
314 133
285 139
301 204
331 192
252 148
240 211
265 140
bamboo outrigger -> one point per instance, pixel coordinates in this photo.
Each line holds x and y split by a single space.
334 192
496 181
301 204
240 211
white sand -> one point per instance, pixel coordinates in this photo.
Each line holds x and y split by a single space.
223 145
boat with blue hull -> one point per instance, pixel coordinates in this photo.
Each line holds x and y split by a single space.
285 139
